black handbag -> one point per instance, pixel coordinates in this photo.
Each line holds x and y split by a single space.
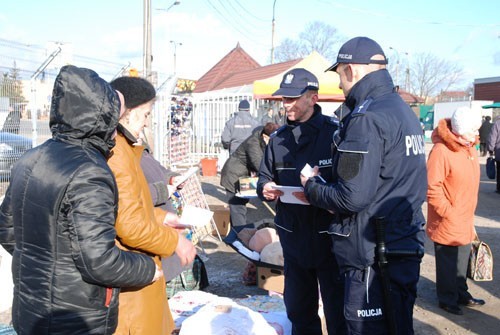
490 167
195 278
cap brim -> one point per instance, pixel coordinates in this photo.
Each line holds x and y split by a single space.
288 92
333 67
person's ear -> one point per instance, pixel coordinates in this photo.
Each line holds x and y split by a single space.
350 71
314 98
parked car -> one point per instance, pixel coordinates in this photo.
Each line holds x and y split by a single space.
12 147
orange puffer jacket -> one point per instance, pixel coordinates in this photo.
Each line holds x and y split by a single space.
453 178
142 310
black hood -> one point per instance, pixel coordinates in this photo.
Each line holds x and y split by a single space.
84 109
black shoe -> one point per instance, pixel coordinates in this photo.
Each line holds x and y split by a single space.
472 302
451 309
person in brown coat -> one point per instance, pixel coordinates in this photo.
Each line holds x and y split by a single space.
142 310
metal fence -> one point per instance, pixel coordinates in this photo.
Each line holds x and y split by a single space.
189 128
184 129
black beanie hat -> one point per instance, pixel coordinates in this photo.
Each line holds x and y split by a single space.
135 90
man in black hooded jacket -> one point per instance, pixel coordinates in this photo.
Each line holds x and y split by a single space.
58 216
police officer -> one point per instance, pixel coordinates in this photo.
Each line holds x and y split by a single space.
238 128
379 172
305 139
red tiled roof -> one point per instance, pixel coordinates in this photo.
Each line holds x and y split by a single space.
248 77
454 94
237 69
410 98
236 60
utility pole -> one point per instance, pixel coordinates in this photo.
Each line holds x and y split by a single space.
175 55
272 35
397 66
407 82
147 47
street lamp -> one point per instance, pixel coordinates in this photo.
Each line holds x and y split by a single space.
175 53
147 45
397 66
175 3
272 35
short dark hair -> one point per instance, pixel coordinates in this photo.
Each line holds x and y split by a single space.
270 128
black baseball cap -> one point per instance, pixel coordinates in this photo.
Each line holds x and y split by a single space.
296 82
359 50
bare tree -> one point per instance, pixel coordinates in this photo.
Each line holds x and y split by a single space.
317 36
288 50
431 75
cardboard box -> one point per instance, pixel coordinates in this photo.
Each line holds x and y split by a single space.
270 279
221 218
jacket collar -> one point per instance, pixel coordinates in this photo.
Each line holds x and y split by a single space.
130 138
315 120
373 85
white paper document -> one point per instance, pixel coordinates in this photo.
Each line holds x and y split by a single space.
307 171
287 196
195 216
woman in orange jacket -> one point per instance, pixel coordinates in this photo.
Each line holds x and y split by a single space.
142 310
453 179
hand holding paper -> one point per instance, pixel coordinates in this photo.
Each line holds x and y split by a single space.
308 172
270 192
292 194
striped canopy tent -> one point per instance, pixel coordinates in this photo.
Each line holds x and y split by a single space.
328 81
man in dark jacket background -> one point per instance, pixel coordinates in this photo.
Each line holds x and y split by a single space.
244 162
238 128
494 148
58 216
484 133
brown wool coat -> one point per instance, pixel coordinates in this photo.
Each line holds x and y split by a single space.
142 310
453 178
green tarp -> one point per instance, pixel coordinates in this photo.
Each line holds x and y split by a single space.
493 105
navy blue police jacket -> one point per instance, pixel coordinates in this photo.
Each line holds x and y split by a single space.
303 229
379 171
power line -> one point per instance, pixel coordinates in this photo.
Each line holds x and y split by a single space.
231 25
244 24
406 18
250 13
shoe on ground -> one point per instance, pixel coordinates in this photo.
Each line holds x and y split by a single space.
451 309
472 302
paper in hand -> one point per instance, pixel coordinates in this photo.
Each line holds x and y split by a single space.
288 196
307 171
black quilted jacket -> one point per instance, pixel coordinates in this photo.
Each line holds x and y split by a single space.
57 218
